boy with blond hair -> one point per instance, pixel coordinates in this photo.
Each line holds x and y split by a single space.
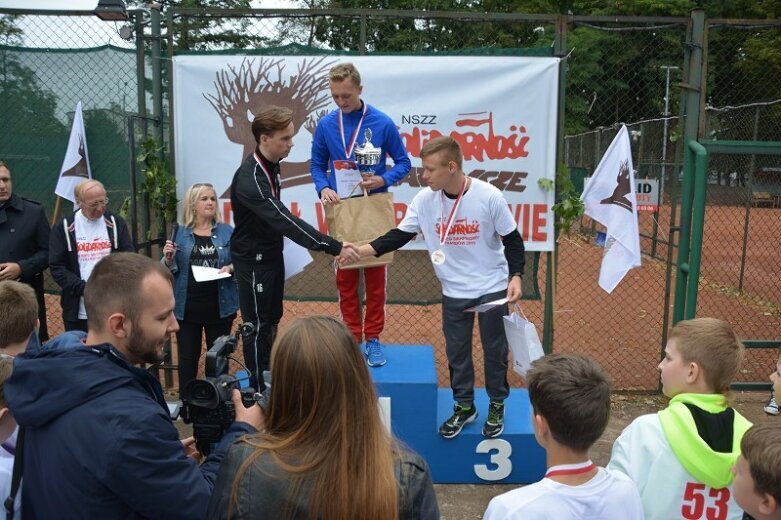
757 484
570 397
681 457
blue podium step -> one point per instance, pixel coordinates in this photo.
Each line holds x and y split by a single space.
407 384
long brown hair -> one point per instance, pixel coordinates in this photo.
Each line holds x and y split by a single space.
323 425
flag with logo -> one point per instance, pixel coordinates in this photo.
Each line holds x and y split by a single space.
75 167
610 199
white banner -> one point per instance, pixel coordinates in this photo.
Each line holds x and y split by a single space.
610 199
75 166
502 110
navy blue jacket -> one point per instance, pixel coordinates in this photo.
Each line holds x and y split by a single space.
24 238
99 442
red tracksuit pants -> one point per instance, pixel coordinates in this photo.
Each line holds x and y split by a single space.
347 281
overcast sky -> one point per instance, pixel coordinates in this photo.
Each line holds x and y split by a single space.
81 5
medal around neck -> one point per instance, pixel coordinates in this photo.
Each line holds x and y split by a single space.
367 155
438 257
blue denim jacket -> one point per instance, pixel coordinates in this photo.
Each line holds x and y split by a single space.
185 241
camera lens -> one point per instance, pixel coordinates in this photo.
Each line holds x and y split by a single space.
201 393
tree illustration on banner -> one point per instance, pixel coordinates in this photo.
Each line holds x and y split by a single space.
254 85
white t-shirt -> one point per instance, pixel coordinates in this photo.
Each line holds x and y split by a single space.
666 488
6 472
474 255
92 243
610 495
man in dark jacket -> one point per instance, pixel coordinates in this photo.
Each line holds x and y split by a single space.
262 222
78 242
24 242
98 426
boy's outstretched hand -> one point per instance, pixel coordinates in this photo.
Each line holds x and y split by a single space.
362 252
349 254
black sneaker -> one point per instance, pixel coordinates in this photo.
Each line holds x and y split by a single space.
494 425
462 415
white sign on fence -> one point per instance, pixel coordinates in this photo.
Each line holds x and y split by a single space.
646 191
502 110
647 194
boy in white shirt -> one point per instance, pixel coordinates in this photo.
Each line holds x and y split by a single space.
757 484
19 311
475 248
681 457
570 397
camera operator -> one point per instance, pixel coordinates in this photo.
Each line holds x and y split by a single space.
98 438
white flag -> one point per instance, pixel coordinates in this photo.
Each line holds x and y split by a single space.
75 167
610 199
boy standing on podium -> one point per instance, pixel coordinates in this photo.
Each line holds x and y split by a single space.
475 248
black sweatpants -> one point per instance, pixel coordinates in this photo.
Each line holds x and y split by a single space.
457 326
189 345
261 288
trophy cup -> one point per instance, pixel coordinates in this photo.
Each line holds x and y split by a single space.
367 155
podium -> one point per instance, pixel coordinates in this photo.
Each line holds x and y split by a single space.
407 386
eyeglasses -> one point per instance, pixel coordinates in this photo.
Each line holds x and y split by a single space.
203 185
98 204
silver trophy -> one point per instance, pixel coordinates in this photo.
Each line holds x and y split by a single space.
367 155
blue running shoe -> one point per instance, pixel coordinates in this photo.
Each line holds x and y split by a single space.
375 357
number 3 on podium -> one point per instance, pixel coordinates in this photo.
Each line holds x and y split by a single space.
500 451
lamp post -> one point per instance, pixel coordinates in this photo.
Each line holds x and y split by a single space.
666 114
663 176
111 11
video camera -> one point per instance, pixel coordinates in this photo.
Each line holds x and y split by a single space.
206 403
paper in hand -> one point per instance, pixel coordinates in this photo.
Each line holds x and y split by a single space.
208 274
487 306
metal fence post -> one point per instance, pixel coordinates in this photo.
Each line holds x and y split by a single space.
695 62
749 196
551 258
157 80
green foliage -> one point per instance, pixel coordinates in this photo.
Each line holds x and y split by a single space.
24 103
209 33
568 207
158 184
415 35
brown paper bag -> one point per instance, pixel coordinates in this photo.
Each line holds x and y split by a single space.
360 220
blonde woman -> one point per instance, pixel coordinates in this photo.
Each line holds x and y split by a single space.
324 452
210 307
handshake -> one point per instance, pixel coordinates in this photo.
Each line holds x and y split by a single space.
352 253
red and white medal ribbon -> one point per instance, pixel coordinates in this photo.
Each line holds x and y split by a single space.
348 152
443 234
438 256
274 191
570 469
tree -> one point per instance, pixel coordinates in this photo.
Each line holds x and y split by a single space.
201 33
25 105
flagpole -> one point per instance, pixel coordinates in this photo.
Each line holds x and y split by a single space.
56 213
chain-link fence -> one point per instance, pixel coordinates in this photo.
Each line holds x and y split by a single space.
739 279
618 71
47 65
413 315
